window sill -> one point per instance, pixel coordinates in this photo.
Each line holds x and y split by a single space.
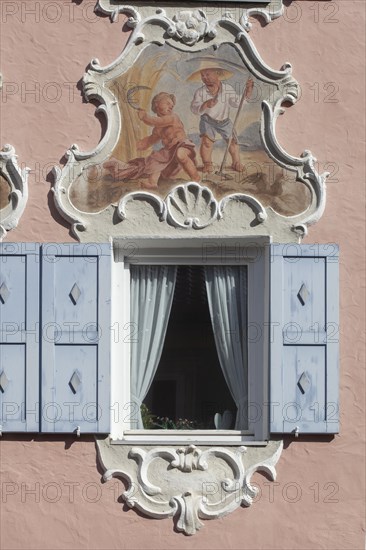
201 437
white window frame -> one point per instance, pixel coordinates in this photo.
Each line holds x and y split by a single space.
252 252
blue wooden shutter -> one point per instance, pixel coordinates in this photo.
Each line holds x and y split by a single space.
19 337
76 289
304 339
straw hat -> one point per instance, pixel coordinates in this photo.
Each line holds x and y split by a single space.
210 63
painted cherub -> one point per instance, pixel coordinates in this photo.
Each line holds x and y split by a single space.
177 153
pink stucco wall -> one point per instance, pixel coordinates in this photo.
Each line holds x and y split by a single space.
319 498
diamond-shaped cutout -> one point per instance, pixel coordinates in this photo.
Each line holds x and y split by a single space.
303 294
75 382
4 293
75 294
304 382
4 382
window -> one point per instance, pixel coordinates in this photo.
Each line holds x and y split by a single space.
226 281
68 338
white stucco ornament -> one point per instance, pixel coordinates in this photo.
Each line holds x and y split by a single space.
189 26
13 188
267 10
191 206
147 177
188 483
17 180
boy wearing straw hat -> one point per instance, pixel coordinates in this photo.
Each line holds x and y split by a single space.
213 102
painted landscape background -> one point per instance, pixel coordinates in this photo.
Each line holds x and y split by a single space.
163 69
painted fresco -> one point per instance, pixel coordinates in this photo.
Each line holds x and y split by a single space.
190 117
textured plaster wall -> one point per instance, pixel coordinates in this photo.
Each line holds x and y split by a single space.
319 498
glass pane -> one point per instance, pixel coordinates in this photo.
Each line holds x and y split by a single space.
189 388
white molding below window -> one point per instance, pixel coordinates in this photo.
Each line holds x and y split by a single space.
188 483
179 437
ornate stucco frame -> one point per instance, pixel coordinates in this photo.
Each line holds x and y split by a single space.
178 210
18 196
17 179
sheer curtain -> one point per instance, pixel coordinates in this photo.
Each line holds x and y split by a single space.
227 298
152 291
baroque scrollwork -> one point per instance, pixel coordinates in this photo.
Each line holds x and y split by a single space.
188 483
16 181
191 206
190 26
186 38
304 165
13 188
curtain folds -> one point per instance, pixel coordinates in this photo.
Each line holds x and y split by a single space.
227 298
152 291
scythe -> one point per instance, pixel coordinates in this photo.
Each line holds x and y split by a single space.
131 92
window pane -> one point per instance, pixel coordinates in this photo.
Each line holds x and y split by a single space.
189 387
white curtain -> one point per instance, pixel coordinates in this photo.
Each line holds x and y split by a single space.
152 291
227 299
